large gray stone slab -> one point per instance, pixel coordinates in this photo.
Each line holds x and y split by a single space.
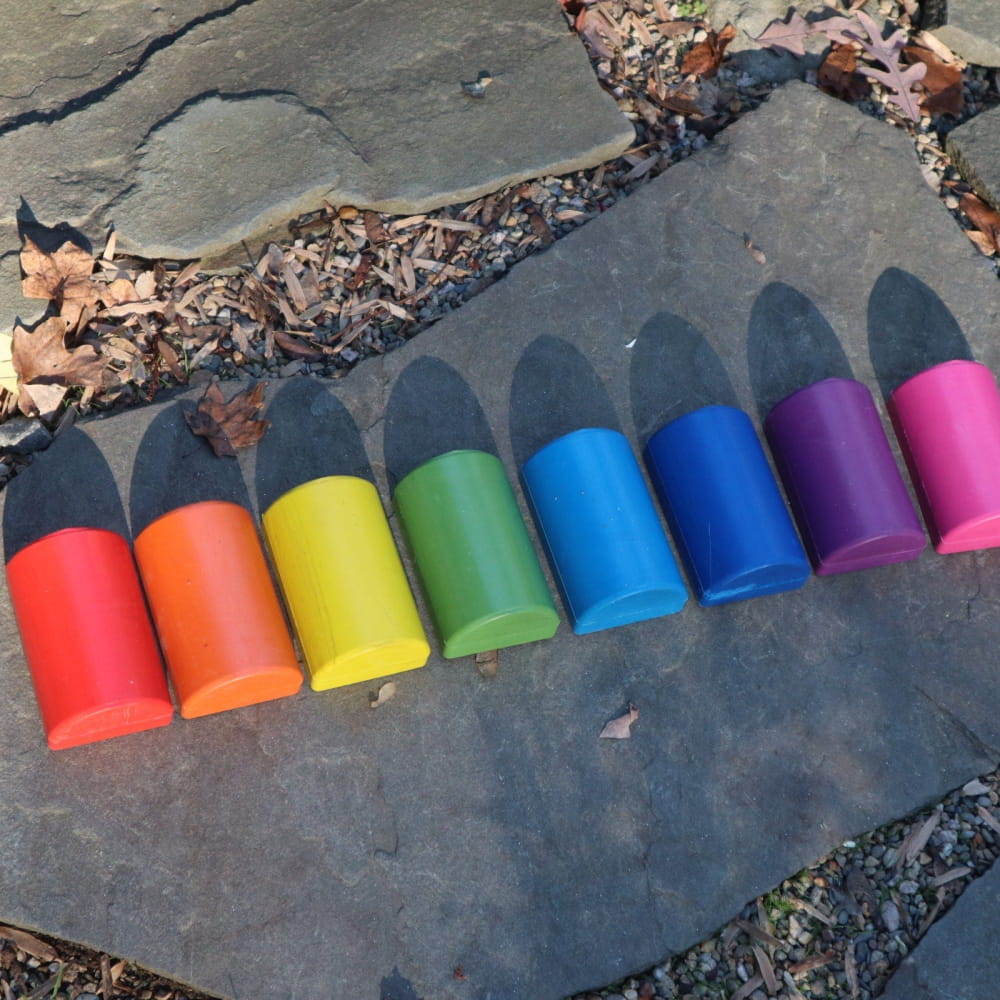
975 147
480 823
957 959
971 29
243 119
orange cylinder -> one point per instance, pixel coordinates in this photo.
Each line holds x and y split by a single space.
221 628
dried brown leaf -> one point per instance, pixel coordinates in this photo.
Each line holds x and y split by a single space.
374 230
811 962
983 216
942 84
838 76
62 276
297 347
895 77
705 58
753 983
761 935
29 944
41 355
851 970
232 425
620 728
913 843
766 969
988 818
951 875
488 663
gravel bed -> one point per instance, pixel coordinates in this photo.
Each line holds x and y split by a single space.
348 284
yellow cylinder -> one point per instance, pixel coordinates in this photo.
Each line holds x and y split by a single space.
343 582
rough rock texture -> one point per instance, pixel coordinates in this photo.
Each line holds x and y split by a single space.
957 960
972 30
975 147
480 823
232 122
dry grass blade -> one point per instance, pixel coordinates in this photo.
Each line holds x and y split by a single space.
107 980
951 875
812 962
823 918
988 818
851 970
29 944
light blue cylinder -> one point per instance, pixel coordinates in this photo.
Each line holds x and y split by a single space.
729 521
604 539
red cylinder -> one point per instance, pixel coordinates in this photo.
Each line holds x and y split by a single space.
87 637
218 617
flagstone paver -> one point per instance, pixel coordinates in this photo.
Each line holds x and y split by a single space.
971 29
196 131
975 147
313 847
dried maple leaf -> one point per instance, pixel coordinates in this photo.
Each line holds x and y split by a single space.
942 85
41 356
620 728
886 51
232 425
705 58
60 276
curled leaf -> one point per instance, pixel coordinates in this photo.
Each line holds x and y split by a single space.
385 693
232 425
620 728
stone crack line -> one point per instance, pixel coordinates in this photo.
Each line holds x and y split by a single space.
98 94
990 753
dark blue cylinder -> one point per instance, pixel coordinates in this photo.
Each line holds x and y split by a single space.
608 549
727 515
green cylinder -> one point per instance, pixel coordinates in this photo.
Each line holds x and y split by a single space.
477 566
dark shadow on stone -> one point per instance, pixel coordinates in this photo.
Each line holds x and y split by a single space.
555 391
395 987
71 486
789 345
48 238
909 329
312 435
674 370
431 411
173 468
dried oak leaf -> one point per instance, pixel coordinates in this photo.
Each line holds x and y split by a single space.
232 425
942 85
620 728
886 51
62 276
705 58
791 34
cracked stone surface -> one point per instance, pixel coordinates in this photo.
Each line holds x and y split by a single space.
975 147
972 30
168 123
480 822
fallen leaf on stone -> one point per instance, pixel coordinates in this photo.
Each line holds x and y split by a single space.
374 230
41 355
886 51
385 693
984 217
620 728
791 34
705 58
29 943
297 347
942 84
913 843
601 34
63 275
755 251
232 425
488 662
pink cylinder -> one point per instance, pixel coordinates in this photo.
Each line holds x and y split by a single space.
947 420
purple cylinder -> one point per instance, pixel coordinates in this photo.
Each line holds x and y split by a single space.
842 481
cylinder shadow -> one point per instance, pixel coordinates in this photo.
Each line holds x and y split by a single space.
555 391
789 345
70 486
174 467
431 411
673 371
909 329
312 435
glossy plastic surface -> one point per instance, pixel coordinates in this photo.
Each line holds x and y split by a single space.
850 501
343 582
607 546
947 420
726 513
87 637
478 568
218 617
